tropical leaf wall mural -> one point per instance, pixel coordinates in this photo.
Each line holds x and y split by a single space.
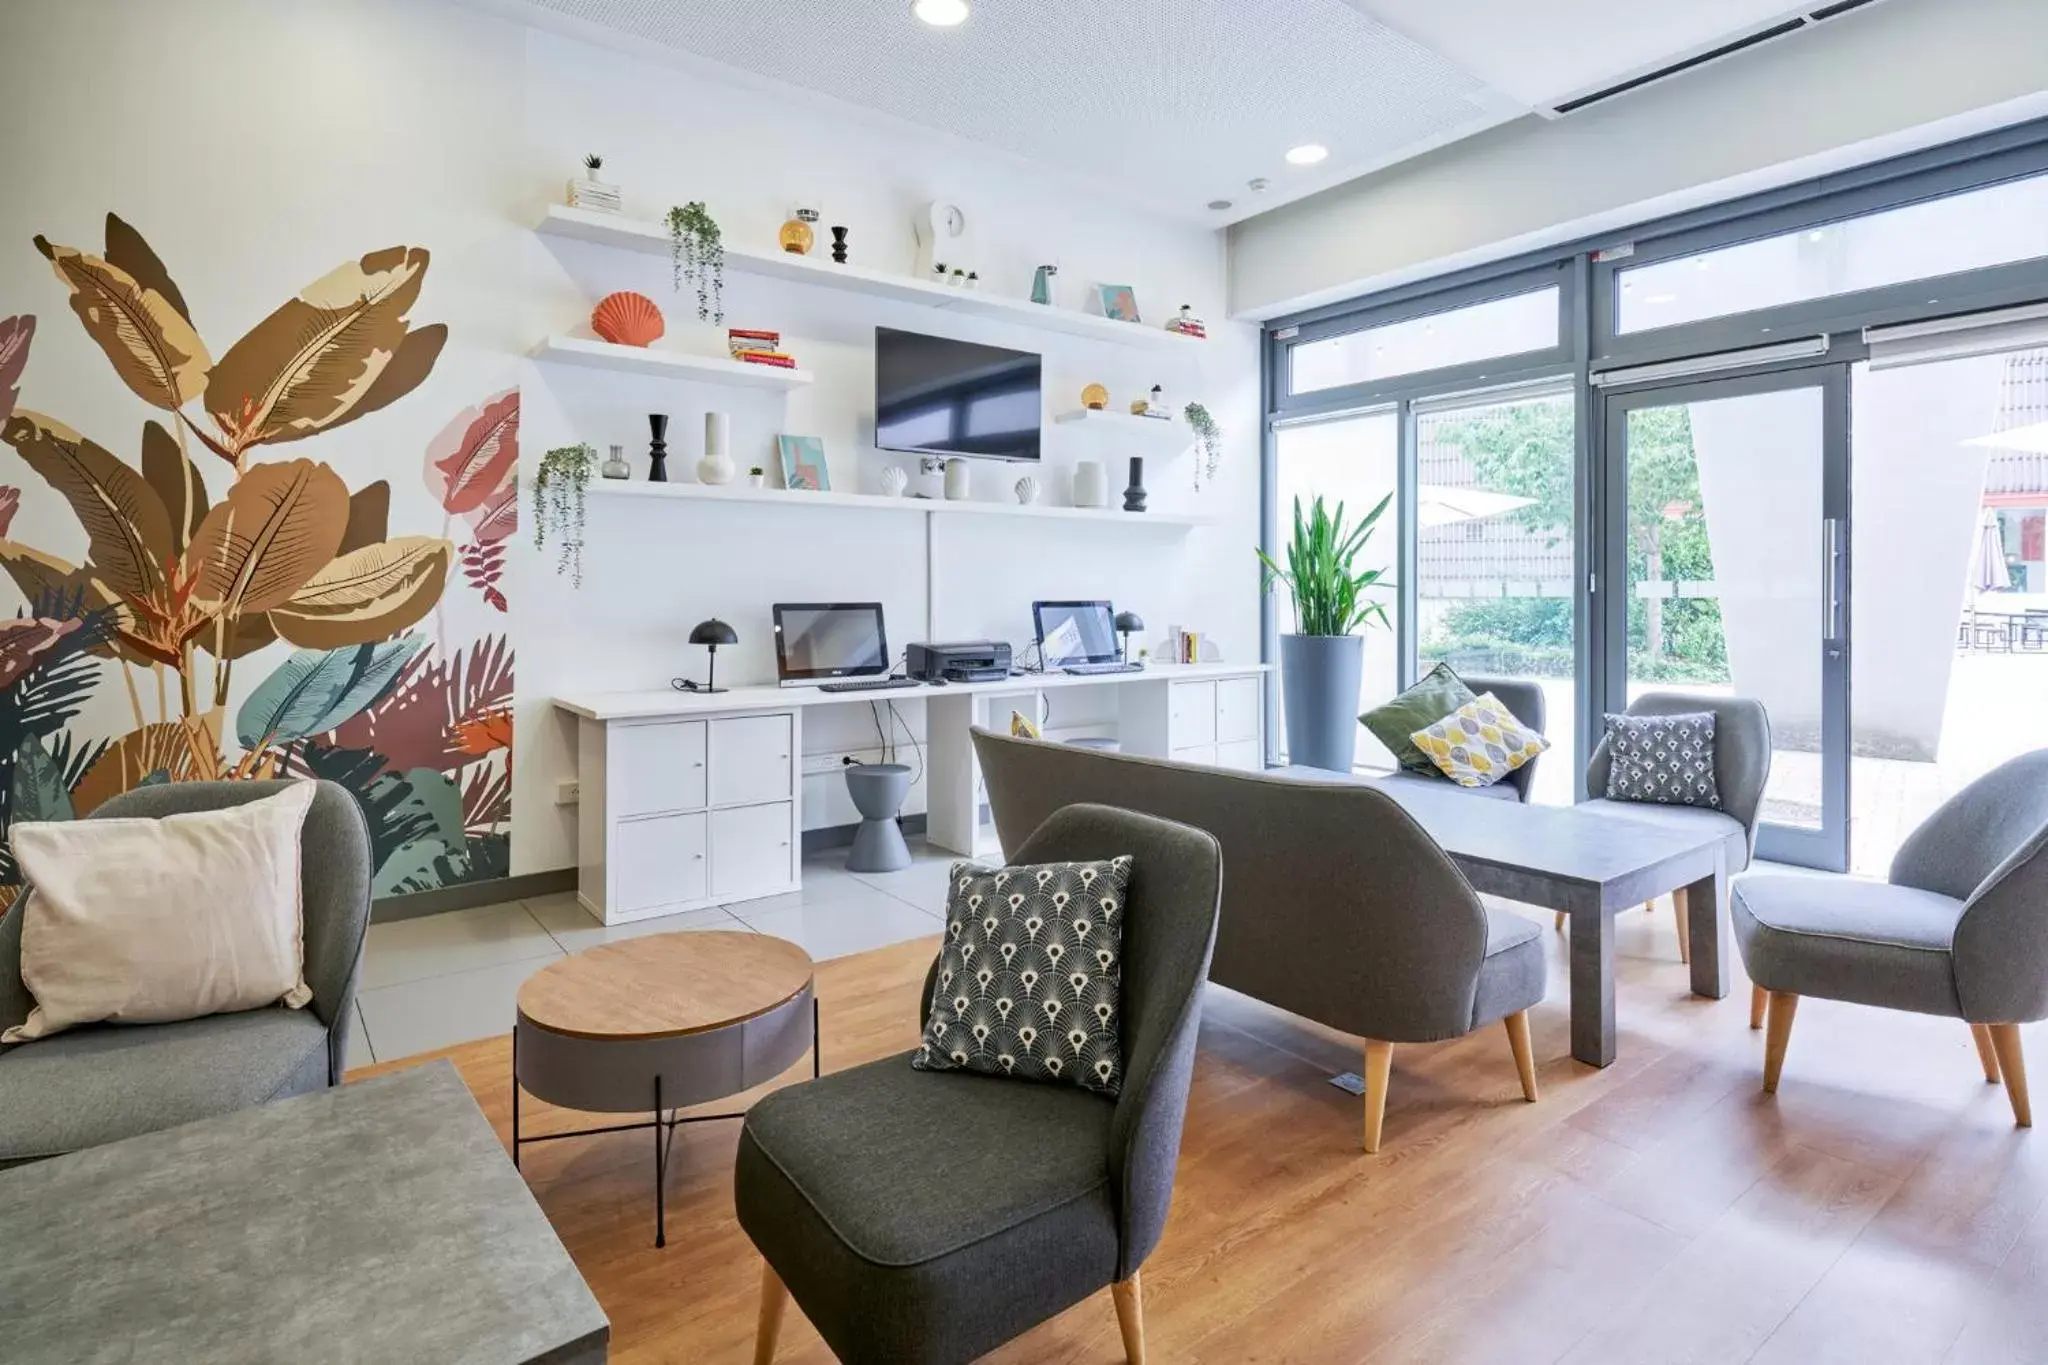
250 611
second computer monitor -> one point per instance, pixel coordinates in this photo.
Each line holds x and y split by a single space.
1074 633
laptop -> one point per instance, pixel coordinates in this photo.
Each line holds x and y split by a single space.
1078 637
833 646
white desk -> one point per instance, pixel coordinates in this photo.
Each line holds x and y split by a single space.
688 799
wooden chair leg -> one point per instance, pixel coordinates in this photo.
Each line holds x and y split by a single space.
1130 1316
2005 1041
1558 922
1782 1007
1987 1056
1525 1056
1757 996
1379 1065
774 1298
1681 910
1650 907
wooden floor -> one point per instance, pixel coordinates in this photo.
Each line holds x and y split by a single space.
1880 1208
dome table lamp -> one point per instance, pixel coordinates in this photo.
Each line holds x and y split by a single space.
1128 623
711 634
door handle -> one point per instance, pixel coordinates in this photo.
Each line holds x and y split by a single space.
1831 580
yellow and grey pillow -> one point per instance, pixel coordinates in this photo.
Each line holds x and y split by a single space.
1479 743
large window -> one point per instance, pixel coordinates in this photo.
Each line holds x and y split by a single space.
1354 461
1481 331
1494 555
1996 225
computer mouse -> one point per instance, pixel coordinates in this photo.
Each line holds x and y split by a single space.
935 682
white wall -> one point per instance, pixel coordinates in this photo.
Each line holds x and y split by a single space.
1880 81
284 136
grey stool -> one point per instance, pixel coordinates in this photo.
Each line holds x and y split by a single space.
878 790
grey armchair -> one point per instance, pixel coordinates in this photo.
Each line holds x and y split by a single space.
87 1086
922 1217
1338 907
1742 765
1959 929
1525 700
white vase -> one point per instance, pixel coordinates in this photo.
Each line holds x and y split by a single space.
716 467
1091 488
956 481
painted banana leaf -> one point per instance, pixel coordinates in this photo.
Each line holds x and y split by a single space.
15 335
316 690
393 818
434 802
39 790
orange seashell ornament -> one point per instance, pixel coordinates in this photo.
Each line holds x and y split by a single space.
627 319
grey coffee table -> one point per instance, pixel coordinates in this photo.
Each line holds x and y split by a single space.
377 1221
651 1025
1590 865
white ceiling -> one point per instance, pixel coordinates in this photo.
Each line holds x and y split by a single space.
1175 103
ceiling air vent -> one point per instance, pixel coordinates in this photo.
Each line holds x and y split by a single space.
1771 34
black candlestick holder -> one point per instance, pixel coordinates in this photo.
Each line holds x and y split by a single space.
657 448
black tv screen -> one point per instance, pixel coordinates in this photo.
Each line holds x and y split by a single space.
936 396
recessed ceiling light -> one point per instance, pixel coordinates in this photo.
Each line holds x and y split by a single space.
1219 204
940 13
1308 154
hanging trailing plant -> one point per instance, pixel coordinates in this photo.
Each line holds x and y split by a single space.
1210 437
558 504
697 253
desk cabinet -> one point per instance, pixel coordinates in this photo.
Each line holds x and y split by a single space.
1217 723
677 815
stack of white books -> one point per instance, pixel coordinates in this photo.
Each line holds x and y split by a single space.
585 193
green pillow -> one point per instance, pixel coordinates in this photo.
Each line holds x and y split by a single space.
1435 695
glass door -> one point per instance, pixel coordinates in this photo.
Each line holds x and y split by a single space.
1725 507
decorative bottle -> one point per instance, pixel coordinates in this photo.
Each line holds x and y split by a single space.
615 466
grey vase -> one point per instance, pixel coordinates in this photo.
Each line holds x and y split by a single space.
1319 677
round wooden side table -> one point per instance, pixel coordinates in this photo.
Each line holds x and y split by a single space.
656 1024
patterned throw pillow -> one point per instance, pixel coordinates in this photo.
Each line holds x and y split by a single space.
1435 695
1030 975
1479 743
1667 760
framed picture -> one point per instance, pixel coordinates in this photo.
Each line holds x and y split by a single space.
803 463
1118 302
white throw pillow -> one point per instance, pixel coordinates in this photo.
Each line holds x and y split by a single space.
153 921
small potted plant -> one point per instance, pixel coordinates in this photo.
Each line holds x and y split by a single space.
558 505
757 477
697 253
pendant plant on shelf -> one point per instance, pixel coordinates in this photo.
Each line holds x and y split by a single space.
1329 597
697 253
1210 438
558 504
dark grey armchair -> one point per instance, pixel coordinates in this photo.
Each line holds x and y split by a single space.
1338 907
1959 929
921 1218
104 1082
1525 700
1742 765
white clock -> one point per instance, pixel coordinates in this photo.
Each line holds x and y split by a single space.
942 238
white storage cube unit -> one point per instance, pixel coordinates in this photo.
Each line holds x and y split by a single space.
679 814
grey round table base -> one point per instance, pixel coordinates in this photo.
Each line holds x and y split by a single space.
878 791
657 1076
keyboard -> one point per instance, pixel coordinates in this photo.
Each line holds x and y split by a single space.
870 685
1094 670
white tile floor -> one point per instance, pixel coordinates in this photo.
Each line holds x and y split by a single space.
446 979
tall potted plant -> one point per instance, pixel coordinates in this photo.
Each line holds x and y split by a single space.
1320 665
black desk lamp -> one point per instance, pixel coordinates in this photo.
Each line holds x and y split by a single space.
711 634
1128 622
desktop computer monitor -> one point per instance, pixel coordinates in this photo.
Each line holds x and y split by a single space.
818 641
1074 633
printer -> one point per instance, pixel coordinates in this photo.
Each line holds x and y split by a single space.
959 661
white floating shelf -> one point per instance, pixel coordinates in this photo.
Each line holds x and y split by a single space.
1172 436
631 234
701 369
876 502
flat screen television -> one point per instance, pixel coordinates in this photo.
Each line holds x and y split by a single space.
937 396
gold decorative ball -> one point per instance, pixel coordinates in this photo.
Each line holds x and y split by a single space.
1095 396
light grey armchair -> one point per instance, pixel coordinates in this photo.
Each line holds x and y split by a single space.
1959 929
1742 766
97 1084
1524 699
927 1217
1337 907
